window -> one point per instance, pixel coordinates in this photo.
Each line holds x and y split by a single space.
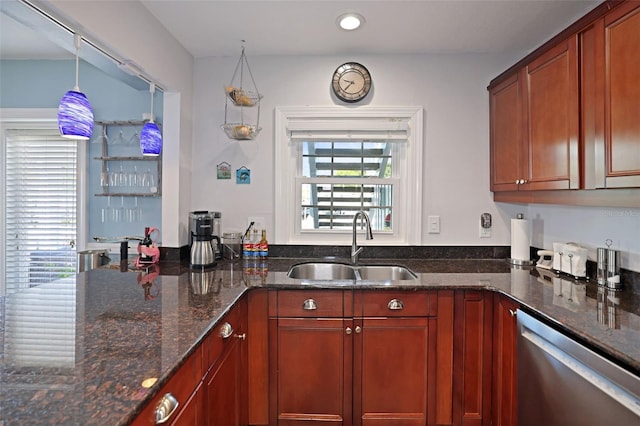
39 176
39 203
333 162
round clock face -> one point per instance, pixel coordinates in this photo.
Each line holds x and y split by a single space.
351 82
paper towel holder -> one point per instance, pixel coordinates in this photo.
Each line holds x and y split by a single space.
520 262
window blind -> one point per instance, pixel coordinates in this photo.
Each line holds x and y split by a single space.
40 207
40 187
349 128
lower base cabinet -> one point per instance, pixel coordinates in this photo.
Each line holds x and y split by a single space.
353 358
350 358
505 342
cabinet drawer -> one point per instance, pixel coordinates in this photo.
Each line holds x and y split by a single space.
180 386
309 303
215 343
396 304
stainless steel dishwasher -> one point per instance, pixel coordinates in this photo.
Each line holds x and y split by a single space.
562 382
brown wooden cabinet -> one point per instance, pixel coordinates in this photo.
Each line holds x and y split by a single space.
504 398
181 389
391 354
566 116
225 381
310 357
551 104
472 349
350 358
534 124
508 148
611 98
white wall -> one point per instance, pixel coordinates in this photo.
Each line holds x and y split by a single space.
452 90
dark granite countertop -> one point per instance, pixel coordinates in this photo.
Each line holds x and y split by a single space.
123 327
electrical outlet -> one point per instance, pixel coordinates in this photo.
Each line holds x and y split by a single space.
433 224
485 232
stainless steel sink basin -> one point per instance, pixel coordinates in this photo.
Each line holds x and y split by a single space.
384 273
323 271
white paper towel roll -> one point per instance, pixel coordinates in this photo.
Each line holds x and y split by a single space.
520 239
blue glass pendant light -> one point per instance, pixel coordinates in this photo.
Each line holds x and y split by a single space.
150 137
75 115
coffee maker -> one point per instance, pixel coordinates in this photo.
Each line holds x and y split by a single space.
205 227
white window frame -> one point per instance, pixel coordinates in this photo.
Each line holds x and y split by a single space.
41 118
407 196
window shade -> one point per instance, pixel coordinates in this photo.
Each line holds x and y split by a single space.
349 128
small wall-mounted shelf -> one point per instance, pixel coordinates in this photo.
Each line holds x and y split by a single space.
131 182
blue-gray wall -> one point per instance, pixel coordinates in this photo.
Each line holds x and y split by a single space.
41 84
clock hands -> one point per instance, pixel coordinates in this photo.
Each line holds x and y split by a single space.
348 85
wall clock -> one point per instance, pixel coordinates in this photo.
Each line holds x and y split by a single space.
351 82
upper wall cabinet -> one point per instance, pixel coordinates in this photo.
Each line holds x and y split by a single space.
534 124
568 115
611 98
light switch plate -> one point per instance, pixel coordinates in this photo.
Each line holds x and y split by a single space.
433 224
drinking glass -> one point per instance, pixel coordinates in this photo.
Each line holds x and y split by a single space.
106 211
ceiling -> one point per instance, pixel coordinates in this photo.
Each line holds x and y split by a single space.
308 27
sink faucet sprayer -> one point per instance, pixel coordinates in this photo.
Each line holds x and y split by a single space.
355 251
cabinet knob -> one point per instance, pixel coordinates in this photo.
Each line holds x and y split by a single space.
358 329
395 305
348 330
226 330
242 336
166 407
512 312
309 305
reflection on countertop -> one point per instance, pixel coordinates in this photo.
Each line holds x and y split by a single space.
79 355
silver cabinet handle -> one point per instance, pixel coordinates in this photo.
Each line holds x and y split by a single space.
242 336
226 330
395 305
358 329
517 181
512 312
166 407
348 330
309 305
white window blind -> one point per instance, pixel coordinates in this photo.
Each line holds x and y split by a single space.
40 207
40 187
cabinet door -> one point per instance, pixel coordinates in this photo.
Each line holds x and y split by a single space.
621 146
504 361
390 373
508 152
552 119
311 370
223 389
472 358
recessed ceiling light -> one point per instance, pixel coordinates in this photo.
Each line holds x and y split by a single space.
350 21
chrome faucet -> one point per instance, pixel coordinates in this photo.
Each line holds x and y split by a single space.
355 251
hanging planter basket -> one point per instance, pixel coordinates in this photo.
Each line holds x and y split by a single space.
242 101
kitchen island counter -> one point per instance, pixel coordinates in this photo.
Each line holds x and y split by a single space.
124 327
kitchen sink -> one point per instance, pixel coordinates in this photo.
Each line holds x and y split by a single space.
384 273
324 271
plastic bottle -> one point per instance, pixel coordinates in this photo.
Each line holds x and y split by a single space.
255 246
264 244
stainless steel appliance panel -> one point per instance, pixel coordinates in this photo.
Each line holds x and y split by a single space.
561 382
